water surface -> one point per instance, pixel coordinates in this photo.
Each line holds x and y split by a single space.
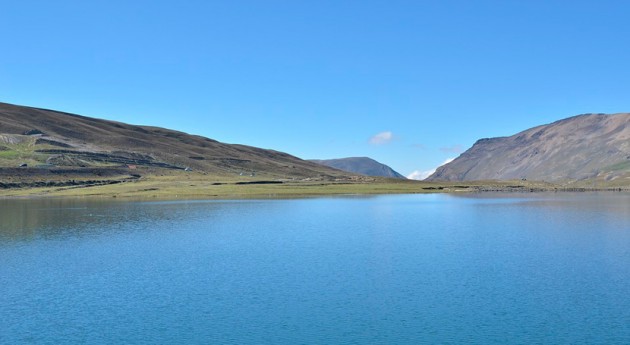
406 269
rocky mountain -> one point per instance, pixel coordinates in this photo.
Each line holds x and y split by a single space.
589 146
360 165
43 138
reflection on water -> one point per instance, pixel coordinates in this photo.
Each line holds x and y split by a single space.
405 269
33 218
23 219
27 219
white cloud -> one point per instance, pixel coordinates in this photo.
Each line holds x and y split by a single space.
382 138
448 160
422 174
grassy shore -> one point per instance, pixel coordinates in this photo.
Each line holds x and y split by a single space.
199 186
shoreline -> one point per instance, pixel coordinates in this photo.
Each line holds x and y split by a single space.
172 188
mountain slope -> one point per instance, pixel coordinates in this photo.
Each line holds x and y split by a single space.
577 148
360 165
53 138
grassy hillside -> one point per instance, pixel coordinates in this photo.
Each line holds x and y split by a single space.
46 138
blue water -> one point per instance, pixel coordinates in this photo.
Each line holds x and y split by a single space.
407 269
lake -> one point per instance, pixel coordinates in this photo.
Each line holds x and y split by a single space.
392 269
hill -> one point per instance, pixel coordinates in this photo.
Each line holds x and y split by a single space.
360 165
42 141
583 147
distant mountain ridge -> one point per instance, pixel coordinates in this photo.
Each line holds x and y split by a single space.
360 165
33 136
588 146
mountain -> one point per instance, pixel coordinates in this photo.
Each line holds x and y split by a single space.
360 165
589 146
53 139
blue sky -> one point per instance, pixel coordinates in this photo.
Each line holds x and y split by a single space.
408 83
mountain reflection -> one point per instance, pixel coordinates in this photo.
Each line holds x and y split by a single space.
25 219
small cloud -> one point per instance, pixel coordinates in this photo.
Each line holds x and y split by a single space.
382 138
422 174
452 149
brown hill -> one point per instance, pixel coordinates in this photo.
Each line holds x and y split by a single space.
589 146
51 138
360 165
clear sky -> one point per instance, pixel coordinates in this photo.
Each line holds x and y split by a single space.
408 83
